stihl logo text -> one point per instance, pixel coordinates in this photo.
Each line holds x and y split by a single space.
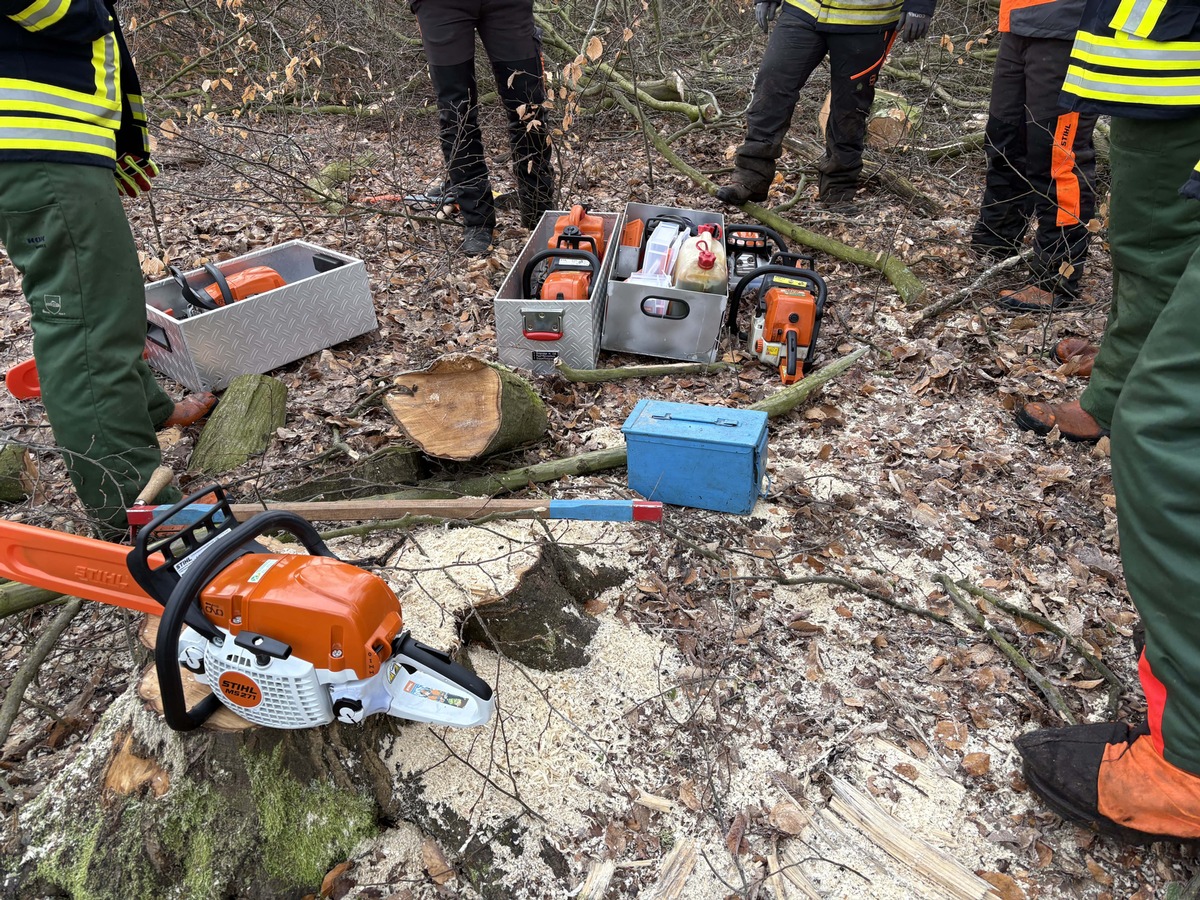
101 576
239 689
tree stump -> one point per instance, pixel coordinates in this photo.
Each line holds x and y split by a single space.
890 120
385 470
17 474
541 622
461 408
252 408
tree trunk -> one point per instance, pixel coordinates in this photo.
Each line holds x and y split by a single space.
242 425
388 469
462 408
17 474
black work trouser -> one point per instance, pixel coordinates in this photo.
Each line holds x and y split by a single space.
513 46
1040 163
794 50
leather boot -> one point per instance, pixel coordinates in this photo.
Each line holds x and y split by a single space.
1079 352
1112 779
1032 298
1074 422
738 192
190 409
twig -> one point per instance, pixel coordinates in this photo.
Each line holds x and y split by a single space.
1049 691
28 671
958 296
1116 685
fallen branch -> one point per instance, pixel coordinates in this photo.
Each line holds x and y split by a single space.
16 598
1116 685
906 283
787 399
1047 690
595 376
958 296
29 669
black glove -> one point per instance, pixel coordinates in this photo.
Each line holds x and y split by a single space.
912 27
764 11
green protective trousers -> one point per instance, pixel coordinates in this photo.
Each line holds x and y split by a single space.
1155 237
1152 233
66 232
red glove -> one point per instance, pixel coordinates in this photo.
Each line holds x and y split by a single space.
134 174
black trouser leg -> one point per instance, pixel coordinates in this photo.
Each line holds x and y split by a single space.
854 62
523 93
1061 170
462 143
794 49
1007 197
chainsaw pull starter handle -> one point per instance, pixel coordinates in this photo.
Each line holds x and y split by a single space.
527 275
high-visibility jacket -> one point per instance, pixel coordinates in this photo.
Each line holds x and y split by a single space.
844 15
68 92
1138 59
1041 18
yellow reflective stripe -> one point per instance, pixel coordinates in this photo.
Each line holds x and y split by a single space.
41 14
1138 17
64 146
1159 91
839 14
138 107
1153 62
106 63
21 96
31 133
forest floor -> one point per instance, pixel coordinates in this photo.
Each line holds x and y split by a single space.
755 679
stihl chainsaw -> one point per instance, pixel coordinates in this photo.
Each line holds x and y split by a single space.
283 640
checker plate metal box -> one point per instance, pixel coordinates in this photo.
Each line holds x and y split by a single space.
634 320
709 457
565 329
326 300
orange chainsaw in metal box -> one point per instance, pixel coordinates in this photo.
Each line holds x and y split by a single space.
787 318
283 640
571 261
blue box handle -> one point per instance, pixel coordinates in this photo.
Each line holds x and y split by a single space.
726 422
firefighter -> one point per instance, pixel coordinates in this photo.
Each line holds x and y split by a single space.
856 35
1040 158
513 44
1136 61
72 140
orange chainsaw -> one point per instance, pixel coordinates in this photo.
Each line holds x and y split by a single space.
283 640
787 319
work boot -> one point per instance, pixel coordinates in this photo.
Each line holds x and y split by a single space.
190 409
737 193
477 240
1032 298
1074 422
1112 779
1078 351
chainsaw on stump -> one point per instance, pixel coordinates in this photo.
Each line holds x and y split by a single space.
283 640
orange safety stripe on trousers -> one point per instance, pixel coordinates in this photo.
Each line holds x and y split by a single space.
1156 700
1007 7
1062 170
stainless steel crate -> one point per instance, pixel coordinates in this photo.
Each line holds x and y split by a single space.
634 319
564 329
326 300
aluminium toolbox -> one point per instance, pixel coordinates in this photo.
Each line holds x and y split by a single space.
532 333
710 457
663 321
325 300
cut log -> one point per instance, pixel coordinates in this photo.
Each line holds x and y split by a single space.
17 474
388 469
541 622
890 120
16 597
462 408
252 408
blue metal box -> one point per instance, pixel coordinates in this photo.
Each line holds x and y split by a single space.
709 457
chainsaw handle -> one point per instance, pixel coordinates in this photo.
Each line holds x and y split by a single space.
190 294
768 272
732 231
185 598
218 278
527 275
